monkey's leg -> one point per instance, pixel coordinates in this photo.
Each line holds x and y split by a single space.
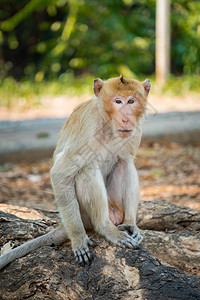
93 199
114 187
123 189
57 236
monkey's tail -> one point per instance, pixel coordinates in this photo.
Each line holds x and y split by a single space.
57 236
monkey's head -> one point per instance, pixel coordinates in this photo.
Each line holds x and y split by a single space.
123 100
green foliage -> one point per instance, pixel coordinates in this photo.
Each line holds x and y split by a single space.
26 94
50 39
24 13
102 38
182 85
186 37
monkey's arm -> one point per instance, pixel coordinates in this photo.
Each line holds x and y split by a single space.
63 175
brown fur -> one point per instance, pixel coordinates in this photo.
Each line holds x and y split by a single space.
129 87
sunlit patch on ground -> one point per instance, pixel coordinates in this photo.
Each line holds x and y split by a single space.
180 195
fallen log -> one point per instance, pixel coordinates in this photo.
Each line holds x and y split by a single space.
162 216
115 273
179 249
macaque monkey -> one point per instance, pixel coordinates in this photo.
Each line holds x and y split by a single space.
94 178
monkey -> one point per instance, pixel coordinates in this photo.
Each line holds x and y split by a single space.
94 178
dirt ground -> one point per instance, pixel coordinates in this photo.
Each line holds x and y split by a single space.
168 172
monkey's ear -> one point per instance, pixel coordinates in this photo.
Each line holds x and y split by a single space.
98 84
147 85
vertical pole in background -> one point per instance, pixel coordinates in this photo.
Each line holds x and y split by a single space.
162 40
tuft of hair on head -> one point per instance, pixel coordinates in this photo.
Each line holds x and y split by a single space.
121 78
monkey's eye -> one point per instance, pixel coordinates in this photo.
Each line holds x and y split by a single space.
118 101
131 101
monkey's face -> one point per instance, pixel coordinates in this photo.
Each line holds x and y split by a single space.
124 101
125 112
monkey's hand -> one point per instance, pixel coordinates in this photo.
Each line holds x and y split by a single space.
133 231
82 253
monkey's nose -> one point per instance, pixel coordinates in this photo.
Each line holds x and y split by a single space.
125 121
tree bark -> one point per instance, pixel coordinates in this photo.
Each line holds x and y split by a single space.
115 273
163 216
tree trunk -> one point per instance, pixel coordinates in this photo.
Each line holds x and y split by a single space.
170 232
162 40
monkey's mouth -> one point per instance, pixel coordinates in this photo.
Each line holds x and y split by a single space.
125 130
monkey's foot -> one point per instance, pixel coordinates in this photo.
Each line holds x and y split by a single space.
133 231
119 237
83 255
127 242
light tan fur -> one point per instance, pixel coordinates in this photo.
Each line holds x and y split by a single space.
93 176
